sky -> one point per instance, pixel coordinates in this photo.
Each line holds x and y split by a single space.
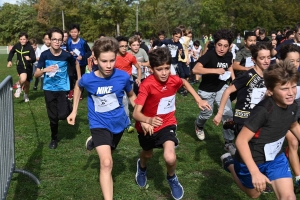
7 1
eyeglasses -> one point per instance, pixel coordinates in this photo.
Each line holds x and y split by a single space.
56 40
123 46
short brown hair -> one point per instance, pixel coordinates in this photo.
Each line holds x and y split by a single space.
159 57
105 44
134 39
32 41
280 73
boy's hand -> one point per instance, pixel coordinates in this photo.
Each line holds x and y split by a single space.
27 57
156 121
203 105
138 82
79 58
71 118
220 71
259 181
9 64
147 128
51 68
217 119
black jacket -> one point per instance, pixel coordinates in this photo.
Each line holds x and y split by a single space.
22 51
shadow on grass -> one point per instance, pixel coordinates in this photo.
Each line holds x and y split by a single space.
119 166
26 188
156 172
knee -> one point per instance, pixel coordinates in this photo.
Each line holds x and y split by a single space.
106 164
170 158
147 155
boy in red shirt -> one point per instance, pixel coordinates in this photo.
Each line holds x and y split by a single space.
155 116
124 61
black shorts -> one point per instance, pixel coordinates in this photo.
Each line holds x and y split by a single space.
157 140
28 71
103 136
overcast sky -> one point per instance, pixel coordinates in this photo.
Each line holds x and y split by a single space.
7 1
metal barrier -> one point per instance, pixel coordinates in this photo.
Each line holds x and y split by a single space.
7 141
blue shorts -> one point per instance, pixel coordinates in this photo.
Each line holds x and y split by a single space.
276 169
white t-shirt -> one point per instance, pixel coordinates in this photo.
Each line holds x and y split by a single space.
44 48
233 50
37 54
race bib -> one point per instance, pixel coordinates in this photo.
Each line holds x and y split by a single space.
272 149
173 52
257 95
52 74
77 52
166 105
105 103
225 76
249 62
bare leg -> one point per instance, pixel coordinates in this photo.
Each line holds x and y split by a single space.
106 164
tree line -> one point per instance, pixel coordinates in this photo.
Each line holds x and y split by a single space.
113 17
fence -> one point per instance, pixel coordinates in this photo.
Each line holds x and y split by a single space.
7 142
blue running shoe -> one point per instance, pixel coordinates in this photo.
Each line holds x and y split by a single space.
176 188
140 176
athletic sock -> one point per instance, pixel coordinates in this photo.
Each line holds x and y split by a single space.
297 178
170 177
142 169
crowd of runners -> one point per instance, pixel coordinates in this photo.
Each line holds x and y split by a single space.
258 73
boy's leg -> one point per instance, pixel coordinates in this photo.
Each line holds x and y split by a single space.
51 105
293 156
106 165
228 134
64 107
170 159
234 168
141 167
283 188
204 114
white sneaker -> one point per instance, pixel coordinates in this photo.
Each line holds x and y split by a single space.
18 92
26 99
199 132
230 148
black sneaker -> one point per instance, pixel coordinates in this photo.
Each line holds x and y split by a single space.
229 124
34 88
53 144
184 93
226 161
89 144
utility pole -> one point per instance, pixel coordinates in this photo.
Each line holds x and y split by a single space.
63 19
137 16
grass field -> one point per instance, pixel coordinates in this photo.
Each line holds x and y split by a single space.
71 172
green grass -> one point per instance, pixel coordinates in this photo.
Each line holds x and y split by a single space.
71 172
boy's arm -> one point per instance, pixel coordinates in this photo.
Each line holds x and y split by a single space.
258 179
232 72
203 105
139 116
139 71
10 56
181 53
131 96
199 69
32 57
76 97
295 128
224 99
77 66
87 50
236 66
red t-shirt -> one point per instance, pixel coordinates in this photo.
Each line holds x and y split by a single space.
158 99
125 62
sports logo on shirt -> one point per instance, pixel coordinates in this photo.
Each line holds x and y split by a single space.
104 90
222 65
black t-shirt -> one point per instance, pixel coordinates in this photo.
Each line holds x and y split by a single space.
211 82
264 40
244 85
270 123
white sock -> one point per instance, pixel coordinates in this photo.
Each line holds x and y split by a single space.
25 95
297 178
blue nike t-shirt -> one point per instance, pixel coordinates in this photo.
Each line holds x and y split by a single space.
105 95
58 80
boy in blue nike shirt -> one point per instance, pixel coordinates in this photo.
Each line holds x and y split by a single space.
106 113
54 64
